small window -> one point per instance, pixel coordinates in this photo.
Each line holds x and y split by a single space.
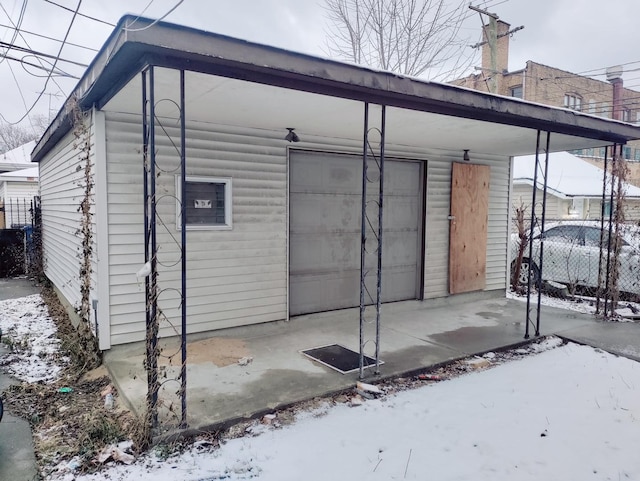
626 152
572 102
637 154
516 91
207 203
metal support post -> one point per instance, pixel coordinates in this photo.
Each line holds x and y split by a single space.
601 293
151 286
542 229
531 231
183 247
371 230
534 222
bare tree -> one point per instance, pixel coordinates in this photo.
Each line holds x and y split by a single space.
15 135
409 37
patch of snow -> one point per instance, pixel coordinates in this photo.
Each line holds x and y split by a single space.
570 412
31 333
549 342
583 305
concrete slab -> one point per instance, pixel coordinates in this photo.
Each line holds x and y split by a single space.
15 287
414 335
17 458
621 338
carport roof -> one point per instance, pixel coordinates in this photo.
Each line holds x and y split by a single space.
130 48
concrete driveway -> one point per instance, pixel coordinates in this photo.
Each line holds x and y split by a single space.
17 459
415 336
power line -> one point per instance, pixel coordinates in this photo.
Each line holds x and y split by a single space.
51 38
59 73
42 54
24 102
80 14
152 23
18 32
18 24
66 35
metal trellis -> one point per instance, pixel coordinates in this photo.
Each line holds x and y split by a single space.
371 235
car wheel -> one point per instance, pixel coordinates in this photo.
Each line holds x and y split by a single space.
525 267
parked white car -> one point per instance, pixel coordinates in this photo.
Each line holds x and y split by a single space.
572 255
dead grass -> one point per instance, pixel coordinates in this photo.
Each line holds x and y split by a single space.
69 418
78 344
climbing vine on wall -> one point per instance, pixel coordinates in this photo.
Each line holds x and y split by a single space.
82 144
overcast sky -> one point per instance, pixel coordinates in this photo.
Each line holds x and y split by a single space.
575 35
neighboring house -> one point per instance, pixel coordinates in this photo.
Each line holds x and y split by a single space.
273 228
552 86
574 189
18 158
17 190
18 185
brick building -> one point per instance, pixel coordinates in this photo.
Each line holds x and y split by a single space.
552 86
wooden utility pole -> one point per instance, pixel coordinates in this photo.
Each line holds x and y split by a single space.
491 36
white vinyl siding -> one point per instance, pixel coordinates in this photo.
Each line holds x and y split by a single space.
234 277
523 196
239 277
61 192
17 198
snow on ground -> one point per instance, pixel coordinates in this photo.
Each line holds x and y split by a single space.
628 311
582 305
32 335
569 413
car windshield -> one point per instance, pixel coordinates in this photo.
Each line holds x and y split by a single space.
585 235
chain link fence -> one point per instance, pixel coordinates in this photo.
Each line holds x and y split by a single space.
584 257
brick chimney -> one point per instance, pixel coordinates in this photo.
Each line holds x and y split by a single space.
495 36
614 75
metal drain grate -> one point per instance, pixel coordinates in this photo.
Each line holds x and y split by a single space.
338 357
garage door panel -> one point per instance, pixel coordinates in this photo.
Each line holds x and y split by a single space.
400 213
398 248
325 213
313 292
401 179
317 173
324 253
397 282
325 222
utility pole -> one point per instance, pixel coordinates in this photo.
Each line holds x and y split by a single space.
491 35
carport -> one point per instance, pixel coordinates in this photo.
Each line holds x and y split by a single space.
349 218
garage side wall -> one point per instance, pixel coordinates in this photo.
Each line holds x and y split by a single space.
61 192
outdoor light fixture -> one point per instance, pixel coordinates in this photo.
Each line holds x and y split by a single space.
466 155
292 136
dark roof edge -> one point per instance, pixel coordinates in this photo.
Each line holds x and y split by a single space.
127 51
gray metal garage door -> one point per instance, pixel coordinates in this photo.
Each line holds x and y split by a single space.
325 211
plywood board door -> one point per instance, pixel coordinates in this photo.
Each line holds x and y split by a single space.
468 227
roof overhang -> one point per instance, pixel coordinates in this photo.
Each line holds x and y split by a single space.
129 50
